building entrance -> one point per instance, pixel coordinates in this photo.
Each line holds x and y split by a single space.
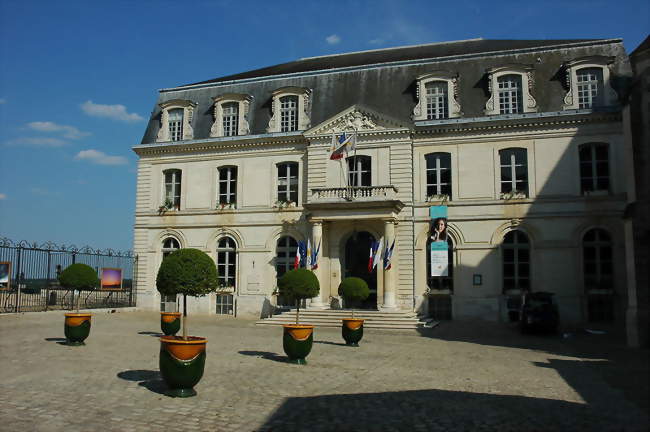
357 251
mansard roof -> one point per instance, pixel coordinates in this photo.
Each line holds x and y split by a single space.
385 80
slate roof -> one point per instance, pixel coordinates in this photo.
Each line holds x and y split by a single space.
378 80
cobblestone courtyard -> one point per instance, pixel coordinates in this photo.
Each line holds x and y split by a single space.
458 376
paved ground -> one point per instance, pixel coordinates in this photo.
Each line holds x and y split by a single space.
458 376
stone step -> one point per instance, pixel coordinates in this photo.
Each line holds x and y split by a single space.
333 324
398 320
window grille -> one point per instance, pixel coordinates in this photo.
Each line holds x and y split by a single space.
288 182
440 307
516 261
230 118
514 171
176 124
438 174
173 187
590 87
594 167
228 185
288 113
359 171
226 262
510 94
437 102
224 304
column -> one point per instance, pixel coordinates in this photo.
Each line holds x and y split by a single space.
389 275
316 238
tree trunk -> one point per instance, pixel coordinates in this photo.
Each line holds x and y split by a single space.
297 311
78 298
184 316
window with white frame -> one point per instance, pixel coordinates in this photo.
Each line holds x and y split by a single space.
359 171
227 262
172 189
516 261
510 94
598 274
230 118
176 120
169 245
225 304
228 185
514 172
437 100
288 113
589 83
176 124
285 252
167 301
590 87
438 174
288 182
594 167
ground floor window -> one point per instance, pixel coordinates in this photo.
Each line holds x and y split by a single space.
440 307
225 304
600 308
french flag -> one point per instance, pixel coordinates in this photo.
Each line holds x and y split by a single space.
387 256
340 146
314 259
296 261
374 247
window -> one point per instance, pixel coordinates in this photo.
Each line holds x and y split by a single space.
514 172
594 167
516 261
170 244
359 173
284 259
438 174
168 301
228 185
288 182
176 120
598 275
288 113
510 97
226 262
172 189
437 104
224 304
176 124
230 118
589 83
441 282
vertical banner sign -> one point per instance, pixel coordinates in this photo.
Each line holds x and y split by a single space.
439 247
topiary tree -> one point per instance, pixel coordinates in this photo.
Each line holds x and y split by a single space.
188 272
354 289
298 284
78 277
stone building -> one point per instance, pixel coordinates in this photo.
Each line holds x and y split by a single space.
522 140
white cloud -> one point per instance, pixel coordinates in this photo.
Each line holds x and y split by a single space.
37 142
115 112
100 158
333 39
3 196
70 132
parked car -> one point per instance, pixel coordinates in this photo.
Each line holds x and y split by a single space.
538 312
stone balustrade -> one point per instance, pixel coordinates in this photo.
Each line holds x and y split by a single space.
354 193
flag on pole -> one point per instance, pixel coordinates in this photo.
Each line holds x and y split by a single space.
308 255
388 252
377 256
341 145
374 247
314 259
296 261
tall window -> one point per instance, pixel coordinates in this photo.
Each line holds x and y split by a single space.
170 244
438 174
230 118
226 262
173 188
594 167
598 275
285 255
516 261
510 94
167 301
437 103
441 282
359 173
288 182
176 124
228 185
590 87
514 170
224 304
288 113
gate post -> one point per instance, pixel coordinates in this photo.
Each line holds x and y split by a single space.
47 281
18 259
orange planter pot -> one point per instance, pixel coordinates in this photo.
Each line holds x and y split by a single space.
182 363
297 341
352 331
77 327
170 322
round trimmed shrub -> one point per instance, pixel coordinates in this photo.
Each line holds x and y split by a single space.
187 271
354 289
79 277
299 284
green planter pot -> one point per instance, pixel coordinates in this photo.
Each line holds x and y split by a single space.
182 363
77 328
352 331
297 341
170 322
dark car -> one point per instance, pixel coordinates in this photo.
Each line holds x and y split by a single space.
538 312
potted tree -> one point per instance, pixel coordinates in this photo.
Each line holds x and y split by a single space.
297 340
77 277
182 358
353 289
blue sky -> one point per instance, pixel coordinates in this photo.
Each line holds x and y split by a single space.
79 78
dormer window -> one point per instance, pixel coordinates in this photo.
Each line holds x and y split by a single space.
176 120
231 115
511 89
437 96
291 110
588 83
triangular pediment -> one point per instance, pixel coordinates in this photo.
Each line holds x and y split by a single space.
356 117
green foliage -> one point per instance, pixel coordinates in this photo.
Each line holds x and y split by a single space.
187 271
299 284
354 289
79 277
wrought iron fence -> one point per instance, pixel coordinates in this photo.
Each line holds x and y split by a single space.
31 284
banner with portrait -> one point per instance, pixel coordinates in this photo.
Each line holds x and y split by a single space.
438 235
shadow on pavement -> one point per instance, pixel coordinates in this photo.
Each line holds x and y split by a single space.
151 380
330 343
154 334
266 355
60 341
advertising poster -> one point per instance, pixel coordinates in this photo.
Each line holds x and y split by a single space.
111 279
5 275
438 234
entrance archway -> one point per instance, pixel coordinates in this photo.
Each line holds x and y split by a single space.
357 252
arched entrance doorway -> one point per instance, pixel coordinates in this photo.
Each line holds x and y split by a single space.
357 251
